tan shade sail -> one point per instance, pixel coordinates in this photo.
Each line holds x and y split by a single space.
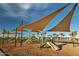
34 30
40 24
20 28
64 25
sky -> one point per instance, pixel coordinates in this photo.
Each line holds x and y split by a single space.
11 14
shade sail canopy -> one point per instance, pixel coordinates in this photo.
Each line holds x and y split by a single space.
64 25
20 28
42 23
34 30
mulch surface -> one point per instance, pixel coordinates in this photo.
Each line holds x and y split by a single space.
31 49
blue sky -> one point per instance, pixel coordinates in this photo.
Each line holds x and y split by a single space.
12 14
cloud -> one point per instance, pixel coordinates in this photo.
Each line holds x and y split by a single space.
23 9
41 6
25 6
35 5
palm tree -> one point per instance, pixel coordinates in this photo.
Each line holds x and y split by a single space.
5 32
44 35
57 35
50 37
73 36
54 34
43 41
38 34
62 34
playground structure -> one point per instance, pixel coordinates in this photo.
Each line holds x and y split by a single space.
62 26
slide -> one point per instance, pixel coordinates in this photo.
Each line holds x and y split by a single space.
53 46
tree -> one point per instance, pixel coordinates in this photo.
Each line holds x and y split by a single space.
62 34
54 34
73 36
62 37
50 37
38 33
43 34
